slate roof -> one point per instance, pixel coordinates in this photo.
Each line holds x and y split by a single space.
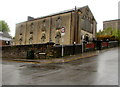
112 20
61 12
5 36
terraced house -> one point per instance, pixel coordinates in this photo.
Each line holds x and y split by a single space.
77 24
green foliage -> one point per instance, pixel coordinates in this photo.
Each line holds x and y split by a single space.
105 37
4 27
99 33
113 34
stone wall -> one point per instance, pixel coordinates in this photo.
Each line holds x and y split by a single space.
48 50
20 51
41 51
24 30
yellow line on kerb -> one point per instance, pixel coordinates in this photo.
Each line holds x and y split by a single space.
78 58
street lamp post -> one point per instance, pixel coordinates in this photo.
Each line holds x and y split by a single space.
82 43
62 33
62 47
74 48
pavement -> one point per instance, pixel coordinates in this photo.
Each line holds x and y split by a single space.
59 60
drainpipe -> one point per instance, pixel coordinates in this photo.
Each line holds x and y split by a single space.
76 26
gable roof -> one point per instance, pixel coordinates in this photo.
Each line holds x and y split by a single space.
62 12
5 34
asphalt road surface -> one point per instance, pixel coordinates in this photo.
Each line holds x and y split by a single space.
97 70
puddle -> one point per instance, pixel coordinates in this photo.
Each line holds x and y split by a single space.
47 67
88 70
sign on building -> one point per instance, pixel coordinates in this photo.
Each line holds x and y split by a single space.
63 31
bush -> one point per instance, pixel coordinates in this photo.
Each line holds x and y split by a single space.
105 37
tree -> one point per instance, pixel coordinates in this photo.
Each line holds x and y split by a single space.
4 27
99 32
113 34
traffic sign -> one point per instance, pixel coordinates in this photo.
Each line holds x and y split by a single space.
63 30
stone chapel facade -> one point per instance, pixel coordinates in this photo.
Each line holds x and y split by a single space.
77 23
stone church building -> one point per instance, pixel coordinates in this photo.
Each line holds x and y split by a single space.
76 24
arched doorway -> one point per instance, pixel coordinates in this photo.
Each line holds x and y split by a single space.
87 37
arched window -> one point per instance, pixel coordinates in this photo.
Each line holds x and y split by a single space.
58 23
20 40
21 29
43 37
57 37
31 39
31 27
44 25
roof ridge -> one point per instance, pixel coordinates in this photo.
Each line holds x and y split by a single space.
56 13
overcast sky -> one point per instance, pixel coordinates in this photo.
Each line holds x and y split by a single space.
15 11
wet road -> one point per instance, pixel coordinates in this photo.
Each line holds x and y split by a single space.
97 70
